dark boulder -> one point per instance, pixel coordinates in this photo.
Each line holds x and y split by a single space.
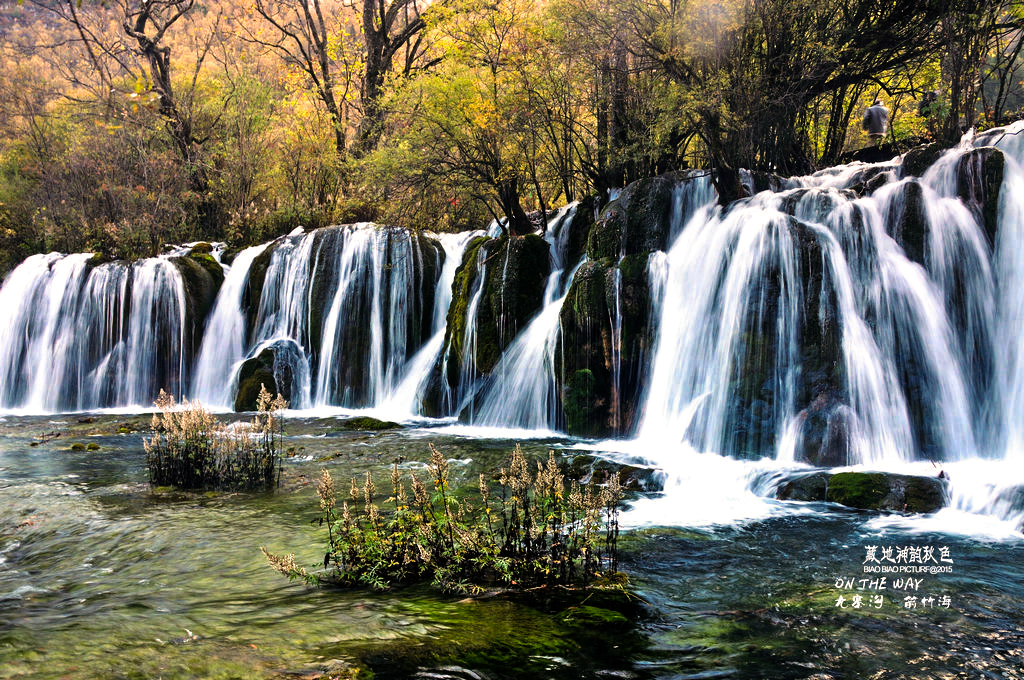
917 161
867 490
366 423
807 487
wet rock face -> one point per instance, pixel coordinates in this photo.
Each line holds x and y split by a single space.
980 179
868 490
638 221
919 159
515 273
825 433
909 226
516 278
586 379
254 285
202 276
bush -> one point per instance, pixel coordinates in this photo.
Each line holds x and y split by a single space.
529 533
191 449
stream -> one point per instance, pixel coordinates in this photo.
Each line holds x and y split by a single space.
103 577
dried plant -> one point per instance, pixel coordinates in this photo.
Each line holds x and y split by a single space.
530 532
191 449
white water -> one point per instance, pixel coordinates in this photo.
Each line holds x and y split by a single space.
78 337
223 345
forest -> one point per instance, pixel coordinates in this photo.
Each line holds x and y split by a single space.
129 124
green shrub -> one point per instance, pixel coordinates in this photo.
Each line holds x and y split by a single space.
529 532
191 449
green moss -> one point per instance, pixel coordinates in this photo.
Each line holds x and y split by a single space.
99 258
586 616
78 446
201 247
634 268
367 423
249 388
605 240
462 291
93 446
864 490
580 402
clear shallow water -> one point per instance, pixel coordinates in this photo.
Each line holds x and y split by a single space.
101 577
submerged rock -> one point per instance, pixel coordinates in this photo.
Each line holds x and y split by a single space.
887 491
368 423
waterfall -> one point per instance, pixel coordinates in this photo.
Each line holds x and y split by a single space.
521 391
223 345
83 337
407 397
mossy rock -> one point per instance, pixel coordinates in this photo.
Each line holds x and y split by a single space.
369 424
594 618
202 277
886 491
980 179
638 221
463 289
263 370
516 277
586 380
805 487
917 161
92 446
253 291
78 446
583 405
201 248
99 258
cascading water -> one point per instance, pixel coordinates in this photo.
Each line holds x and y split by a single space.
224 340
85 337
407 398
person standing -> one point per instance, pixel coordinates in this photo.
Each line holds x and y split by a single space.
876 121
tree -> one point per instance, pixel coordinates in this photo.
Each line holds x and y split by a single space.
468 124
139 57
315 37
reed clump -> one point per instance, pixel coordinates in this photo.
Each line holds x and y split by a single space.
530 530
191 449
